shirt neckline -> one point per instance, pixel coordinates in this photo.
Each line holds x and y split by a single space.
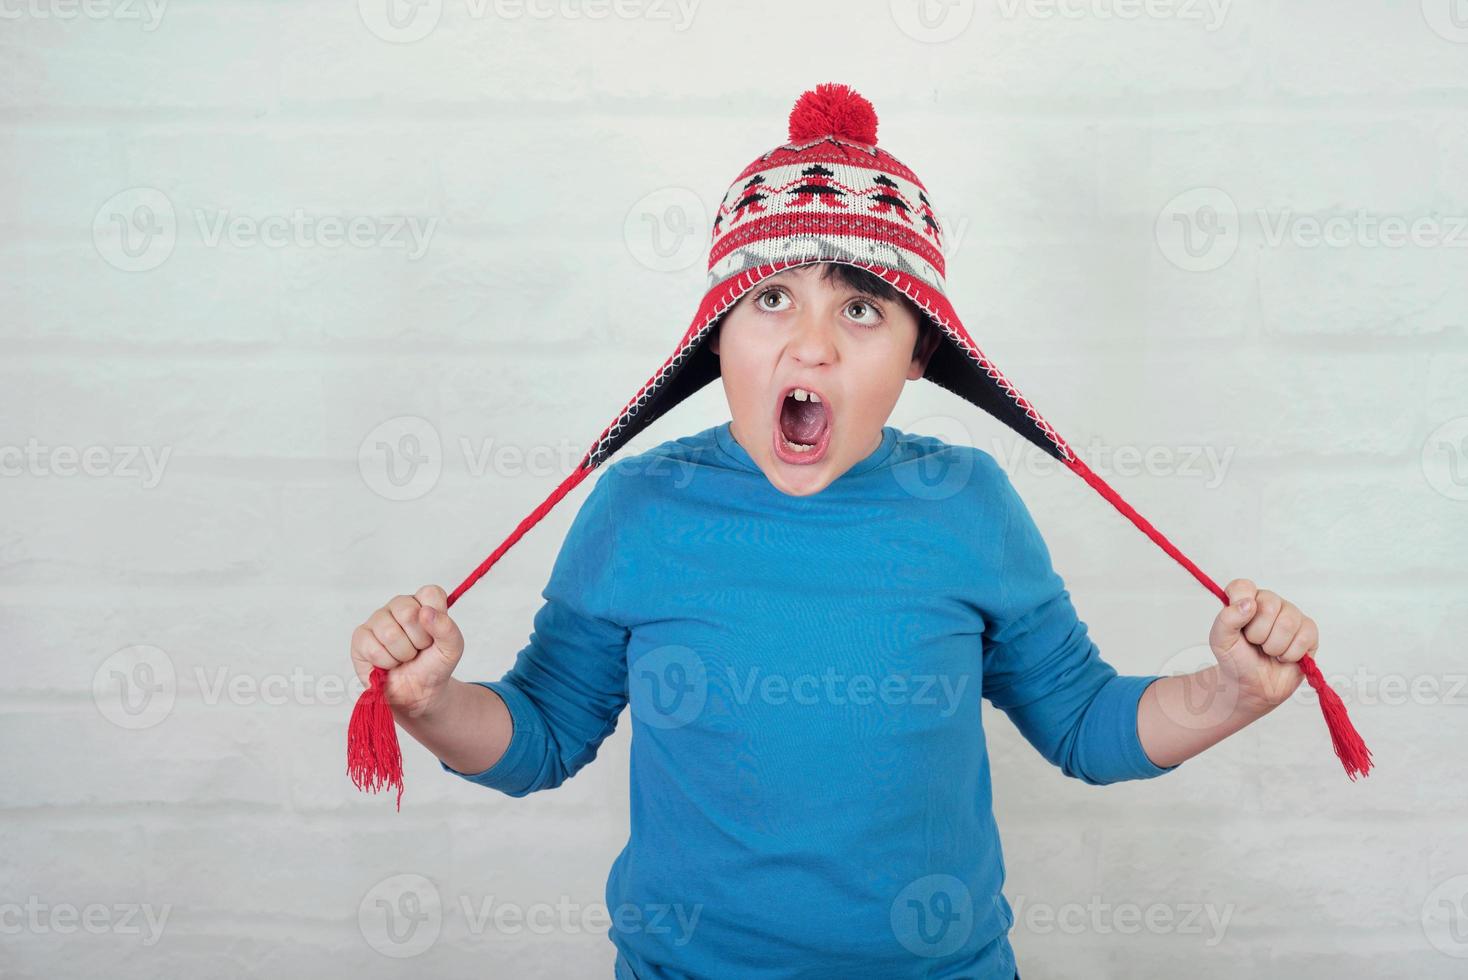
736 453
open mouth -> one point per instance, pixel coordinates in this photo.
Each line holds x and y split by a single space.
802 426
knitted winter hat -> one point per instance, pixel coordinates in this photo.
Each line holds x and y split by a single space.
830 194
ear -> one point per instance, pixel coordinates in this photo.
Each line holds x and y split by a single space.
931 339
714 338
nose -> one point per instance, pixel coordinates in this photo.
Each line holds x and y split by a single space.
814 340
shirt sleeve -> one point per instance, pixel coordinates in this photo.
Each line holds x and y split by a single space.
1042 669
569 683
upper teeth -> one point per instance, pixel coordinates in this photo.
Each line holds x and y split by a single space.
802 395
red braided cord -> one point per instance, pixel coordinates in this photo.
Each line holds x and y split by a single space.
1347 742
579 474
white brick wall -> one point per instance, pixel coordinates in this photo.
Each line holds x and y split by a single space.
1069 145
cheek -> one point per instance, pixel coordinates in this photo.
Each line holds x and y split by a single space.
741 351
883 368
740 370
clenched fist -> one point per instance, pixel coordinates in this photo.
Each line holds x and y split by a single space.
1257 639
413 638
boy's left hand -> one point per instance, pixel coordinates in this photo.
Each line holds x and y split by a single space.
1257 638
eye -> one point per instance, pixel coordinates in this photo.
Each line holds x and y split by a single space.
867 314
759 300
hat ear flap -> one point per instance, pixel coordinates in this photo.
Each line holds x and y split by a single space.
958 364
956 368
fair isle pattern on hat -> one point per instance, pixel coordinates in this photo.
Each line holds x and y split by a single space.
828 204
829 194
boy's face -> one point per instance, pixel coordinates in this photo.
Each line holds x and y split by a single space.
853 350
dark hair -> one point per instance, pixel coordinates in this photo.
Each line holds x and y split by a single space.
855 277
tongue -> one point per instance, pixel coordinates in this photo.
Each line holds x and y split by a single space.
802 422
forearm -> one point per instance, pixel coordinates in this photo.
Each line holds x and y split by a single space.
1180 716
468 728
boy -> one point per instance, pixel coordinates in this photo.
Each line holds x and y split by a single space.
803 632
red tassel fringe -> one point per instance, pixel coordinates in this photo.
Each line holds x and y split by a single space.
1344 738
374 760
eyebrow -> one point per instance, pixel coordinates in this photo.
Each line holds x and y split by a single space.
856 290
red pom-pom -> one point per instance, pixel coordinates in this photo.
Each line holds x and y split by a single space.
832 109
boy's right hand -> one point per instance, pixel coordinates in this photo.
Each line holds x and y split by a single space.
413 638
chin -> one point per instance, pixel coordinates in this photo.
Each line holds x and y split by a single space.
802 487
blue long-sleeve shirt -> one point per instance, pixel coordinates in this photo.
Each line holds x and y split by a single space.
810 792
